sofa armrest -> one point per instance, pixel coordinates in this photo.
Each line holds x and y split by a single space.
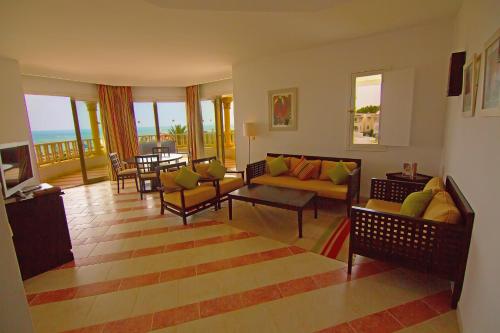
393 190
255 169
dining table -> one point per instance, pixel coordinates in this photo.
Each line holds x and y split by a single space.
164 158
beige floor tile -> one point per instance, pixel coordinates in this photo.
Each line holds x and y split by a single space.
112 306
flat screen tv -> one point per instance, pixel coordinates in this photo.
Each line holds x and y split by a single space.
16 170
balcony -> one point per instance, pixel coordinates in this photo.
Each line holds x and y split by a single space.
59 162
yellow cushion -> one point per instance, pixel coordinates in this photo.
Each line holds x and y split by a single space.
127 172
442 209
325 189
228 184
167 180
384 206
192 197
435 185
149 175
327 165
269 159
202 169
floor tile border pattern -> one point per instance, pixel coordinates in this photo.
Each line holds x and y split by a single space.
140 233
99 288
398 317
212 307
147 251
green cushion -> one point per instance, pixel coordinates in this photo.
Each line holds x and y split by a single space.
339 175
416 203
187 178
216 169
277 166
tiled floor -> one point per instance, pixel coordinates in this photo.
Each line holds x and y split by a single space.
136 271
76 178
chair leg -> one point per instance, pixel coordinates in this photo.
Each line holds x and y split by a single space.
118 184
184 219
141 187
136 185
349 263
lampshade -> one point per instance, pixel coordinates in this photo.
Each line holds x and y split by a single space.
249 129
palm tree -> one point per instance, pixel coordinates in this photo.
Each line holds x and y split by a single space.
177 129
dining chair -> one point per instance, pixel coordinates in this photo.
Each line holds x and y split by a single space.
146 171
121 173
162 152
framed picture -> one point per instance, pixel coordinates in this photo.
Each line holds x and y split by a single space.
467 109
283 110
490 104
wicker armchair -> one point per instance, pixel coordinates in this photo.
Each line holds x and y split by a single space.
223 186
180 201
429 246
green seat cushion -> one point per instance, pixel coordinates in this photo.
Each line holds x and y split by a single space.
416 203
339 174
216 169
277 166
187 178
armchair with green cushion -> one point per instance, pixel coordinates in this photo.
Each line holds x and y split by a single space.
224 184
179 200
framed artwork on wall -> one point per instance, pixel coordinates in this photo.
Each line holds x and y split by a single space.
490 104
467 108
283 109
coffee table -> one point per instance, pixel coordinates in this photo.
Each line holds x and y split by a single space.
273 196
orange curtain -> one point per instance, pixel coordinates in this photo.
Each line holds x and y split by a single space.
118 121
195 122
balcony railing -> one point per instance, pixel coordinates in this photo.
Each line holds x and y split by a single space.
54 152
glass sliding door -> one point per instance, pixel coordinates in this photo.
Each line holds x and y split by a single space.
209 129
227 118
172 124
87 119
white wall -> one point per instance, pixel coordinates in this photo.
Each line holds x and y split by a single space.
37 85
472 157
14 313
217 88
322 76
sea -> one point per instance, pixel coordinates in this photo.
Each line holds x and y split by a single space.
45 136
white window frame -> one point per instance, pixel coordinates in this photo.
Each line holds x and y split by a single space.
350 123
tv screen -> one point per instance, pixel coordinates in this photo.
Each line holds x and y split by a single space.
15 163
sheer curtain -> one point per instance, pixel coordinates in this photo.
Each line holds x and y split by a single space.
195 125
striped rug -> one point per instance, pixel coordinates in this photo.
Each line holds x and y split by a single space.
334 243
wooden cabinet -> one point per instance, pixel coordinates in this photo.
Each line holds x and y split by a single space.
40 232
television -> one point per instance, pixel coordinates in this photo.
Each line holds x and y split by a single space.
16 169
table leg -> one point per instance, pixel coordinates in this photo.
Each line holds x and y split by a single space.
299 215
315 202
230 206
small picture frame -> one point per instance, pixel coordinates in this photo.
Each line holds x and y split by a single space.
467 88
490 103
283 109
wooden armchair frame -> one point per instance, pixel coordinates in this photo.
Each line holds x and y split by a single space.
428 246
181 211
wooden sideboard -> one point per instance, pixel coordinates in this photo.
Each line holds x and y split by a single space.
40 231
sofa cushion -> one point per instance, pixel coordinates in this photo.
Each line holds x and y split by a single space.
442 209
277 166
339 175
435 185
270 158
384 206
326 165
216 169
415 203
167 180
228 184
202 169
325 189
191 197
316 163
187 178
303 170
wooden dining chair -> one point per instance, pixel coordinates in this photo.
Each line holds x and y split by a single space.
121 173
146 171
162 152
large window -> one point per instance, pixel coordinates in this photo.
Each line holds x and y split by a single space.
145 121
172 121
366 100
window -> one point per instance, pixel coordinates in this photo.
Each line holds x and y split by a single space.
172 121
367 91
145 121
382 105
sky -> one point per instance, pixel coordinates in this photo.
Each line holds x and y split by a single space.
54 113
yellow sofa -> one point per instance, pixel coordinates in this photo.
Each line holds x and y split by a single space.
258 173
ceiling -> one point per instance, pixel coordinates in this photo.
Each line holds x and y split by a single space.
184 42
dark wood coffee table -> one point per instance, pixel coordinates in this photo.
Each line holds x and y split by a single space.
273 196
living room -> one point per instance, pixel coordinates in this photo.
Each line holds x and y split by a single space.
138 259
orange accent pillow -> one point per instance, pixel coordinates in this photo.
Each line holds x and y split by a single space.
303 170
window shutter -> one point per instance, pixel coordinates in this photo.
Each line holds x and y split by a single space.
396 107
